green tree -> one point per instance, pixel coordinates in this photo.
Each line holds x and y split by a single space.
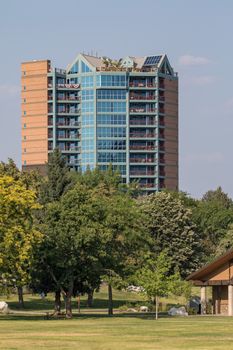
155 279
59 179
172 229
226 242
219 197
17 233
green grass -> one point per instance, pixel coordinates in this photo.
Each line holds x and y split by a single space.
96 331
116 333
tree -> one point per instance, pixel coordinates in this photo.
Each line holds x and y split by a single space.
59 178
219 197
172 229
17 233
155 279
226 242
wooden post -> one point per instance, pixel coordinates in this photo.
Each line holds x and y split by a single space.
230 300
203 300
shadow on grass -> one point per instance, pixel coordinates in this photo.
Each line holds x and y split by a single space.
23 317
33 304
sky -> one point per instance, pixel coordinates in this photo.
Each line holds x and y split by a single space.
195 34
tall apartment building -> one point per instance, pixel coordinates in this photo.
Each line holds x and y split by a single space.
99 111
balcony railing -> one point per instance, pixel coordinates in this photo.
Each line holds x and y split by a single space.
141 122
142 110
142 172
142 84
161 98
74 162
68 98
68 111
161 110
68 124
147 185
142 135
68 86
139 147
70 149
142 160
140 97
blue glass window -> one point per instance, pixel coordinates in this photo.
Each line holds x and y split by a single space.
117 119
111 80
111 144
111 94
85 68
111 132
87 81
88 157
88 145
108 157
87 95
74 68
88 132
87 119
111 106
87 107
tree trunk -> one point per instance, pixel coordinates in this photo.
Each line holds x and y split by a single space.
156 307
68 306
57 303
20 296
110 304
90 298
68 300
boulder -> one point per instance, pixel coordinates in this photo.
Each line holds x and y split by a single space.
143 309
178 311
4 309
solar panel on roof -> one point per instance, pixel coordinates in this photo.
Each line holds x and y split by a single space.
151 60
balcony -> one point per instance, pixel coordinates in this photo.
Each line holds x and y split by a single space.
68 86
142 110
142 172
140 97
68 98
142 135
142 122
142 160
69 112
68 137
161 110
142 84
142 148
74 149
162 98
64 124
161 86
73 161
150 185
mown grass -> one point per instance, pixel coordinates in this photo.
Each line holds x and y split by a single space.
116 333
96 331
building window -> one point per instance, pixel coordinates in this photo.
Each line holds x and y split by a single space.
111 132
25 150
24 73
111 94
24 112
87 81
107 157
24 162
24 125
24 100
25 137
111 80
85 68
111 107
24 87
117 119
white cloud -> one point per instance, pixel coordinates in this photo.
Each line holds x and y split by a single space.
9 90
189 60
203 80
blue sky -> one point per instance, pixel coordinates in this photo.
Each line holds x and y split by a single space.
196 35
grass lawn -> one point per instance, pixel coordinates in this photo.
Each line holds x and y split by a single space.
96 331
116 333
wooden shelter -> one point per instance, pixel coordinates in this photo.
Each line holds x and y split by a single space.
219 275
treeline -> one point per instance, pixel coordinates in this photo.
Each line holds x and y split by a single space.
68 232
